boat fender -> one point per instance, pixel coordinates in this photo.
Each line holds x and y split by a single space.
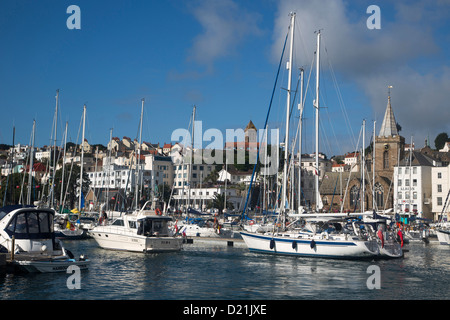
312 244
294 244
272 243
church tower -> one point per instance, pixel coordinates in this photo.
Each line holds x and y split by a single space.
389 148
389 145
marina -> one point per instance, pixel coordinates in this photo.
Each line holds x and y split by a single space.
298 207
206 270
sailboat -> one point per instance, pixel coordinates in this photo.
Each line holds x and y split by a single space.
321 236
64 228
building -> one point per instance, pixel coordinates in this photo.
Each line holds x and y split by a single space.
201 198
388 148
412 185
440 177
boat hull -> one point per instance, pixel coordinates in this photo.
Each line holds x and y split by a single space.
136 243
336 249
51 266
443 236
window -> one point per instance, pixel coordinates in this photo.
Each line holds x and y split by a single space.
439 201
406 182
379 195
399 183
439 188
386 160
399 195
414 195
399 170
354 193
118 222
414 182
414 170
439 175
406 194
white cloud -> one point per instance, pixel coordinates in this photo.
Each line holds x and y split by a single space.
402 53
225 26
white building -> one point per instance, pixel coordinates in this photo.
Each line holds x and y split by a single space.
440 189
413 185
200 198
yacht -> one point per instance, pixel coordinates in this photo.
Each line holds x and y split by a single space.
145 230
27 234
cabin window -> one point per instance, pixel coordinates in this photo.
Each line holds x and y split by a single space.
132 224
31 225
118 222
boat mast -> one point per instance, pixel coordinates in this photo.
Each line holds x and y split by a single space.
63 168
288 105
300 107
373 168
191 158
316 105
30 173
363 187
82 159
138 162
52 203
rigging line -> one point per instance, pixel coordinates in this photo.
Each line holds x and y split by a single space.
340 99
349 176
265 124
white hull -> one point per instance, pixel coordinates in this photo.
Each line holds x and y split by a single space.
51 266
312 247
391 251
443 236
193 230
136 243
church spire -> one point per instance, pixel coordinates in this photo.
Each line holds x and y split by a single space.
389 126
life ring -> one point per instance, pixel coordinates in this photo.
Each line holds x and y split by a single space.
252 222
158 211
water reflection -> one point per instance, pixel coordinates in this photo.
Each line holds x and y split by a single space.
220 272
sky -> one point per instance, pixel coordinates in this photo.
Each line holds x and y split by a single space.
221 56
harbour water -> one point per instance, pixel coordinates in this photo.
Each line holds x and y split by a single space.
220 272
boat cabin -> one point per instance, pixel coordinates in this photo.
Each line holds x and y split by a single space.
30 228
149 226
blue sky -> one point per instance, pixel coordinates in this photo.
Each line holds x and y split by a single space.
222 56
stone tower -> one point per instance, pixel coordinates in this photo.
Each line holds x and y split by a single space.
389 148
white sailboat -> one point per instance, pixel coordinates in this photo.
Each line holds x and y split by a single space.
316 240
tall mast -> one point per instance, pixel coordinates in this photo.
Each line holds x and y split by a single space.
82 159
363 187
138 162
373 167
192 157
52 203
300 107
316 105
30 173
62 174
288 105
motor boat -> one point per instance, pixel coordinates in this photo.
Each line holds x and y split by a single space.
145 230
27 233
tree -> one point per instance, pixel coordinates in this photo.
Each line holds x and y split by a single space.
218 202
440 140
70 185
12 185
